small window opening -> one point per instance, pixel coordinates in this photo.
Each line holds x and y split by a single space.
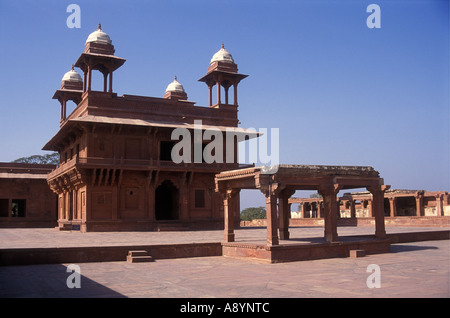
18 208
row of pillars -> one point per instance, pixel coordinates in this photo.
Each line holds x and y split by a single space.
420 209
319 207
278 211
226 87
392 206
87 82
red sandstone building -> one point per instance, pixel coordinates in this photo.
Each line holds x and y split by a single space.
116 171
25 198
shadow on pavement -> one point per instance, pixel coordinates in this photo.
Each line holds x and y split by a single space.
48 281
398 248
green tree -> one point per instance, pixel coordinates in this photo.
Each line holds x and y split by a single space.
249 214
52 158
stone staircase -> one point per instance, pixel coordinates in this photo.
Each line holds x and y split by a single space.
138 257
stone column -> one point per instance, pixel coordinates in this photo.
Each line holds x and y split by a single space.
60 206
284 212
105 82
378 209
392 207
439 205
226 94
74 204
271 192
235 94
110 81
228 210
303 209
89 79
370 207
419 205
84 81
271 214
63 110
218 93
66 205
210 95
320 209
331 205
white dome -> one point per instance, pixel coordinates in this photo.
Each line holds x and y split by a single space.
175 86
98 36
222 56
72 76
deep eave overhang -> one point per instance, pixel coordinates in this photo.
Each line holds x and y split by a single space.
70 124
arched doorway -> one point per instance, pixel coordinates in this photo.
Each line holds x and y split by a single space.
166 201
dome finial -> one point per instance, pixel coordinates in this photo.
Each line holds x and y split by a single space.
99 26
222 56
72 76
175 86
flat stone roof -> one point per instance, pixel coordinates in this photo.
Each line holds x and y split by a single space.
306 170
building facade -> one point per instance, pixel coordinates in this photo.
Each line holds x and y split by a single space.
25 198
116 170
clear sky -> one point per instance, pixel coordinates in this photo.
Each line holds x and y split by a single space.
339 92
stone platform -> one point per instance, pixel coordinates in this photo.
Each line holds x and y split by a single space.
303 252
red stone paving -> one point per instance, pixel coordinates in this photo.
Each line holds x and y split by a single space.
418 269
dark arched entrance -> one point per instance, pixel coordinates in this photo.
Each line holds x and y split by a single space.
166 201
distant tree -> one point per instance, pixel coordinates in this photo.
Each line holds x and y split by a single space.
315 195
52 158
249 214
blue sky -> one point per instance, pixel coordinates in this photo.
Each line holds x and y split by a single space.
340 93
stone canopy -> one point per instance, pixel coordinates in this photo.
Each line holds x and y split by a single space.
279 182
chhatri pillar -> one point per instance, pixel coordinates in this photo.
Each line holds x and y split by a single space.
271 192
331 205
284 212
229 212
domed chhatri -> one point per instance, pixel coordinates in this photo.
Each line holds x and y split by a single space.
72 76
222 56
72 81
98 42
98 36
175 86
175 91
222 72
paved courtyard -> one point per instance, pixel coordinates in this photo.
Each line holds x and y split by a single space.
49 237
419 269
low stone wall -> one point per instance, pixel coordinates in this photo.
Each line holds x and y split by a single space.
421 221
31 256
418 236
